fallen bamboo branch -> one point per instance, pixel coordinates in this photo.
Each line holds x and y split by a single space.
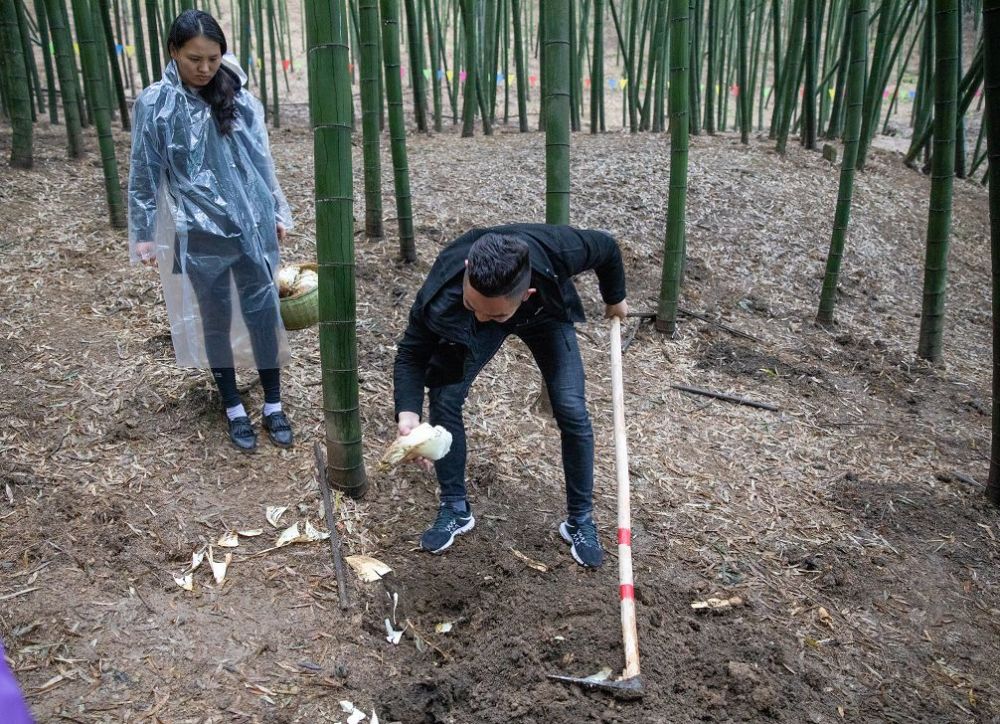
727 397
647 316
967 479
331 525
720 325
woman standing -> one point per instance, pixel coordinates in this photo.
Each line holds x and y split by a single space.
206 208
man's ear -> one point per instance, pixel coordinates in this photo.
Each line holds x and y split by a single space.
528 293
466 263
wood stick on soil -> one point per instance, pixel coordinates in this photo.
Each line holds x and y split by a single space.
331 526
720 325
646 316
728 398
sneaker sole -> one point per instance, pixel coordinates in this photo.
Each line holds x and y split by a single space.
566 537
459 531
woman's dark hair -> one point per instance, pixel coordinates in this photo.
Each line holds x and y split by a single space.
499 266
220 93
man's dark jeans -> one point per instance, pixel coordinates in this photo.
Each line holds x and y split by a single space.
554 347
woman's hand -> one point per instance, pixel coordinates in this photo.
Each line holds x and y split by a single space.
147 252
282 234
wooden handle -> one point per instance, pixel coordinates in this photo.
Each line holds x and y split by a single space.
626 586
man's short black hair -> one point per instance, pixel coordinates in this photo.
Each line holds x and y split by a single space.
499 266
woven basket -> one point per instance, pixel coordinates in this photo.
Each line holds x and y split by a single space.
302 310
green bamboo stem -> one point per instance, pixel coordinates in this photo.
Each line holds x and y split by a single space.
857 18
272 46
66 71
557 110
416 57
519 68
370 113
694 66
50 79
471 55
90 57
397 127
259 66
140 43
675 242
991 91
790 76
153 27
946 42
710 80
902 70
14 75
809 121
102 12
743 99
34 83
330 114
597 69
434 53
633 117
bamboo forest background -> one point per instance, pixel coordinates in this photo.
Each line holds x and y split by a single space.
76 62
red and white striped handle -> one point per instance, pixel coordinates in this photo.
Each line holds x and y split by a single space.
626 586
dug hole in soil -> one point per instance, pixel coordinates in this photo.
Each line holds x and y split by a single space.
850 523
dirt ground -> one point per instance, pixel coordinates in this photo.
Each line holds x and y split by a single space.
850 522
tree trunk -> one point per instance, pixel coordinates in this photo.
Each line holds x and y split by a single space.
991 64
15 79
856 31
90 57
66 70
519 69
743 8
330 113
942 178
557 111
370 113
415 45
397 127
471 68
674 246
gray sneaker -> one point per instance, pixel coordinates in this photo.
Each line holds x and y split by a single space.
449 524
582 536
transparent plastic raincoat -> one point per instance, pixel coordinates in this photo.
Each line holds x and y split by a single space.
210 204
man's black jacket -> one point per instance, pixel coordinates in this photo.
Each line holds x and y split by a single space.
439 335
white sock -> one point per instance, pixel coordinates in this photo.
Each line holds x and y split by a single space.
271 407
236 411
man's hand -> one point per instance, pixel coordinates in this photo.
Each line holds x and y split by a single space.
619 310
282 234
147 252
406 422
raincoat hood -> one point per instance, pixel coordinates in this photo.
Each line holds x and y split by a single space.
229 63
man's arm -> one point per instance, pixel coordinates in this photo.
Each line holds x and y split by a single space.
413 353
597 250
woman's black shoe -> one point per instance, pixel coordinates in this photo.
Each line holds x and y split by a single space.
279 429
242 434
